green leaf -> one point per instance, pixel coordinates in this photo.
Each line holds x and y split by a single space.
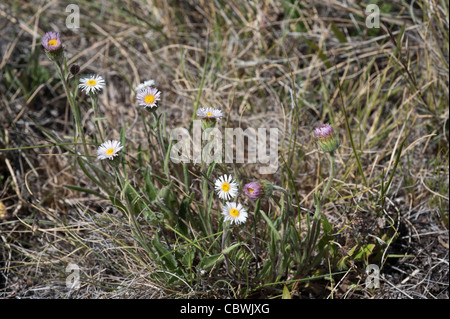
183 213
338 33
271 226
209 261
122 142
319 52
167 158
150 188
364 251
188 257
164 253
85 190
286 293
327 228
228 249
210 169
341 264
122 135
352 251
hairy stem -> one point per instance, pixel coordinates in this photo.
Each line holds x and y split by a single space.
75 109
330 178
315 229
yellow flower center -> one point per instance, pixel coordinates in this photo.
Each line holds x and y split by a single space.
149 99
234 212
110 151
209 113
53 42
225 187
91 82
250 190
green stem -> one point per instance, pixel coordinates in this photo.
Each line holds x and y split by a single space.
315 229
97 122
288 199
224 244
78 131
281 189
255 223
159 139
330 178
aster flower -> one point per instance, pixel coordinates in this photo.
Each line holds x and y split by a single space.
234 212
92 83
148 96
51 41
209 114
327 140
144 85
108 150
209 117
226 187
258 189
52 45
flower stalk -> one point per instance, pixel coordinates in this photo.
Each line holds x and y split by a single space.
78 130
329 142
97 119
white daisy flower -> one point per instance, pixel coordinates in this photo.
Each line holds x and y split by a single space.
209 113
226 187
234 212
144 85
147 97
92 83
109 150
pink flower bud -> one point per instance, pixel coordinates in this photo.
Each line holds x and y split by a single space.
326 138
258 189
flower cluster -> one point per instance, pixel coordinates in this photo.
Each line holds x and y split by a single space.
148 96
227 188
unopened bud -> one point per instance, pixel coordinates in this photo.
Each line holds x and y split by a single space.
327 139
258 189
74 69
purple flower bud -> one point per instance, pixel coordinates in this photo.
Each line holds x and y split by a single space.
258 189
326 138
323 130
253 190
